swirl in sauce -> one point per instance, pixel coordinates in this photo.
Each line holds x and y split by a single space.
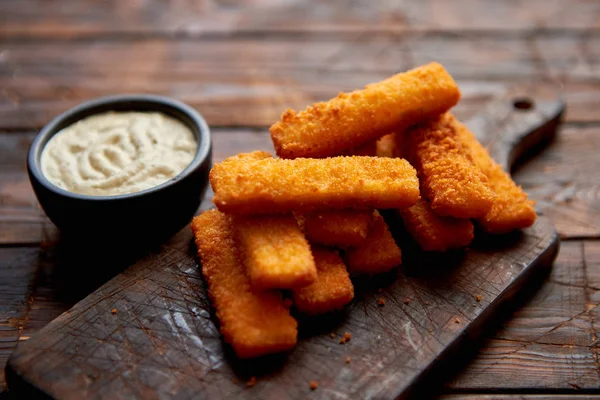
117 153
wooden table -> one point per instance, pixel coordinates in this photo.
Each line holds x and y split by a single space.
241 63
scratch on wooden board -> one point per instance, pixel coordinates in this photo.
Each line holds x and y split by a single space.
407 327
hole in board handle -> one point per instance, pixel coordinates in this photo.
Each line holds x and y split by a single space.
523 104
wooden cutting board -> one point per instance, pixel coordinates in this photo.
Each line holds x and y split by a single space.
163 340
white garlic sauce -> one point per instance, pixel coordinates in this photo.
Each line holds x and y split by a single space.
116 153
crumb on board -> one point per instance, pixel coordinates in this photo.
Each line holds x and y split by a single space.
114 311
474 305
426 303
457 321
251 382
348 360
23 338
478 298
406 300
430 330
332 335
381 302
346 338
314 385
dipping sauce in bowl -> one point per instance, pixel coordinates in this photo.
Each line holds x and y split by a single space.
117 153
128 170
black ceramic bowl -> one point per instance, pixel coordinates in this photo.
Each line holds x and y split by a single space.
150 215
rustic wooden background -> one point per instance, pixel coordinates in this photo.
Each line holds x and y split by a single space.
241 62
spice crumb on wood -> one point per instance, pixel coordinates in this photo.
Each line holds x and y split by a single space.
478 298
457 321
332 335
251 382
113 311
346 338
406 300
381 302
348 360
314 385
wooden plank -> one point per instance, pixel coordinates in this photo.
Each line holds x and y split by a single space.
21 220
561 182
40 18
551 341
249 82
18 267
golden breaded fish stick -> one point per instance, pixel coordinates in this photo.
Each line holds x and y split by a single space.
450 181
435 233
332 289
378 253
341 228
352 119
431 231
272 185
275 251
253 323
511 208
386 146
254 155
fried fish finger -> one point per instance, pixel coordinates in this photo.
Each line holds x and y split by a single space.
378 253
431 231
435 233
450 181
272 185
253 323
341 228
275 251
352 119
332 289
511 208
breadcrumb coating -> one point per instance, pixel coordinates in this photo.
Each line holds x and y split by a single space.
253 323
274 249
378 253
431 231
332 289
449 179
272 185
352 119
275 252
511 208
341 228
435 233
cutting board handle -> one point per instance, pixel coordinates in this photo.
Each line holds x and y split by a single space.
519 123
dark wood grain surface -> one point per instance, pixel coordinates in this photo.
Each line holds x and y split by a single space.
549 345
